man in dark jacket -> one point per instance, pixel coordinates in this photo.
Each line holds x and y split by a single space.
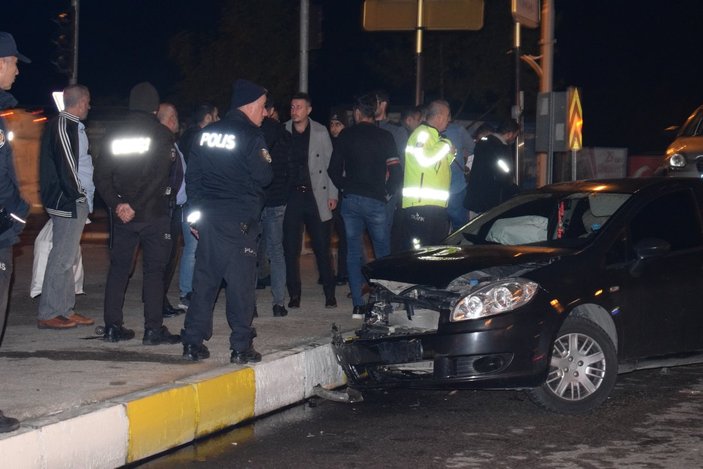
362 157
12 208
66 187
491 180
278 143
132 176
229 167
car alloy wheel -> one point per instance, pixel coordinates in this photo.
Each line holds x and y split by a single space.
582 370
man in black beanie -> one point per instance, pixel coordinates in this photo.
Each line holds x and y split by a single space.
132 177
229 167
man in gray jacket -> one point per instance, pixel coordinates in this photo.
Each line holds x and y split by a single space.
311 199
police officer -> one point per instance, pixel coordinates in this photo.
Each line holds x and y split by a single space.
228 168
132 176
428 157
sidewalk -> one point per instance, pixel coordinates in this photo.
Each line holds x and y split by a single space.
85 403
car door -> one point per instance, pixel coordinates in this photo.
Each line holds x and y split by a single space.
661 309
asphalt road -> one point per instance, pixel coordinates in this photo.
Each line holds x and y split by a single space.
654 419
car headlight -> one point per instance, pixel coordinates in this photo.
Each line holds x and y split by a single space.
677 160
494 298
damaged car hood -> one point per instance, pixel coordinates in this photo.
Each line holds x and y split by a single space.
438 265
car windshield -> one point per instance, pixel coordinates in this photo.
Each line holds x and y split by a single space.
554 219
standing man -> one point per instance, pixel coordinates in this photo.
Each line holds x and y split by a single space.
168 117
132 176
205 114
464 144
278 143
491 180
229 167
362 157
66 188
312 198
338 122
12 208
427 178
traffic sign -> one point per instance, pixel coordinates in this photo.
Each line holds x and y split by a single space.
526 12
575 118
401 15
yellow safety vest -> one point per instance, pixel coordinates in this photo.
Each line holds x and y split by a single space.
428 157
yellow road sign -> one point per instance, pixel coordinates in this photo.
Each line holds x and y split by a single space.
401 15
575 119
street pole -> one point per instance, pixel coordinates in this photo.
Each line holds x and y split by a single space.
418 54
304 35
545 162
517 110
74 69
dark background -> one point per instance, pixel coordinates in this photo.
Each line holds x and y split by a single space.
637 63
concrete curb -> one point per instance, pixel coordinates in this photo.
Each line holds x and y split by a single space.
142 424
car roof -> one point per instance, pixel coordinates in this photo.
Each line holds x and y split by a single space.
623 185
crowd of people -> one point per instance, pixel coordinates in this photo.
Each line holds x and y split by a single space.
228 198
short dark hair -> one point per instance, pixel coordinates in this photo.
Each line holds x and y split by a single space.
270 102
201 111
507 126
366 104
409 111
302 95
382 95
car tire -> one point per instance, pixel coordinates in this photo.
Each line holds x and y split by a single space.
582 371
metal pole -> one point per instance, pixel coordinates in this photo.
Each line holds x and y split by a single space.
518 105
545 162
74 69
304 34
418 55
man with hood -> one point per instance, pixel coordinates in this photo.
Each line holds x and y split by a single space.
132 176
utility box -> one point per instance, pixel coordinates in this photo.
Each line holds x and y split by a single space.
559 117
551 122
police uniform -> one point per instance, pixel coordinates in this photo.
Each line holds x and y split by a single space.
228 168
426 181
133 168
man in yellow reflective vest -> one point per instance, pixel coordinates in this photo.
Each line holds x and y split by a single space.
428 157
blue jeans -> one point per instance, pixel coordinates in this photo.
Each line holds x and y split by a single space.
59 288
272 236
361 213
458 214
185 270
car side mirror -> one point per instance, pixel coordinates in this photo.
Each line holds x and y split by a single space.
646 249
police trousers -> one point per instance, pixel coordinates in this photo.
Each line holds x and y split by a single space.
155 240
226 251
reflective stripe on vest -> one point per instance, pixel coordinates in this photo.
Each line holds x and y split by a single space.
426 193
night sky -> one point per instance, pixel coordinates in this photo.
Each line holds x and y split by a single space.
637 63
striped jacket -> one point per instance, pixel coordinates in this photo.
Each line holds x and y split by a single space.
59 185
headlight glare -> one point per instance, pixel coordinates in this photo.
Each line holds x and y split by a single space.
677 160
494 298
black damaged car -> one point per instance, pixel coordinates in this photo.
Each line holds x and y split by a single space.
555 291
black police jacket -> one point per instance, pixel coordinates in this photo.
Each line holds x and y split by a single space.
229 167
489 184
134 166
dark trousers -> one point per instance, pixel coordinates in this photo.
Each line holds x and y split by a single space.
174 256
428 224
5 280
302 211
155 240
338 227
224 253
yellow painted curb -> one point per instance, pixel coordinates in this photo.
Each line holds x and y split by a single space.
225 400
160 422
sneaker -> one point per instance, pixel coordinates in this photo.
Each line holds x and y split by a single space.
359 312
195 352
279 311
184 301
